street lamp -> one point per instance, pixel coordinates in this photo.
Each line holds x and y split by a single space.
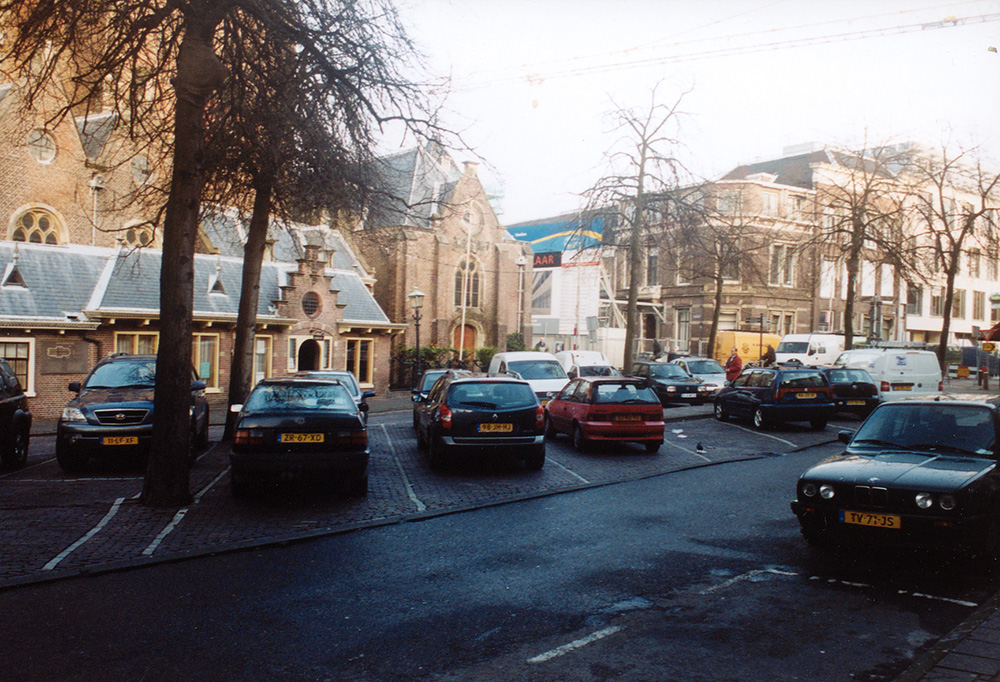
416 302
520 262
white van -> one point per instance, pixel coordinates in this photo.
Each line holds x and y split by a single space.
811 349
541 370
897 372
586 363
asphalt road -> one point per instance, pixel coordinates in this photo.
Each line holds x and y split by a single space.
694 575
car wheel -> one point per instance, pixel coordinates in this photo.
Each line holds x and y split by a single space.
759 421
203 434
579 440
536 460
814 533
653 447
358 486
818 424
17 451
69 461
720 412
239 485
435 458
421 439
550 430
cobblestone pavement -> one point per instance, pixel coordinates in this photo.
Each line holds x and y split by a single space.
54 526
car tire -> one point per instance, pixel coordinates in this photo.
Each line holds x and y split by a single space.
16 454
720 412
818 424
814 533
536 460
358 486
759 420
435 458
239 485
421 439
579 440
69 461
203 434
550 430
653 447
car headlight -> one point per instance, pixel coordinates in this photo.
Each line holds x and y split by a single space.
947 502
924 500
826 491
809 489
671 389
72 414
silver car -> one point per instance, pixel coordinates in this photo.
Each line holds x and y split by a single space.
349 381
708 370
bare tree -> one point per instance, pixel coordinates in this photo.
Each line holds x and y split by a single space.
643 166
953 199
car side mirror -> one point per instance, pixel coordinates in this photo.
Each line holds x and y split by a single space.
74 386
199 385
236 407
844 437
365 395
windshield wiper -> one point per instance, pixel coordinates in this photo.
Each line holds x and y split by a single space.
876 441
943 447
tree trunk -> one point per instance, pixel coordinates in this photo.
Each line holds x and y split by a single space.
632 308
242 370
853 258
713 332
949 293
198 74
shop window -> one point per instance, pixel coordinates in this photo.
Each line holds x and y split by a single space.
20 355
137 343
205 356
359 359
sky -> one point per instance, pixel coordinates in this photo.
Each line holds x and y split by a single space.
533 82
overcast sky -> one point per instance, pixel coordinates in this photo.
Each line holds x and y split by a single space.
534 80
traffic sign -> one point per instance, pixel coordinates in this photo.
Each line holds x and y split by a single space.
989 346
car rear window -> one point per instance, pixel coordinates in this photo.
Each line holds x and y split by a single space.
792 347
624 393
598 371
491 395
293 397
705 367
804 379
124 374
537 369
846 376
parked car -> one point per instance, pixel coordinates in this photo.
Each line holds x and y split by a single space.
708 370
15 420
112 413
853 390
918 472
299 428
769 395
419 392
481 417
541 370
349 381
898 372
586 363
596 409
672 383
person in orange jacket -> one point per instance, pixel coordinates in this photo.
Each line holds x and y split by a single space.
734 365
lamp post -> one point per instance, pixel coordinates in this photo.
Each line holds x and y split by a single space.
416 302
520 262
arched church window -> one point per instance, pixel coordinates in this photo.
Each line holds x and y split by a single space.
467 279
36 226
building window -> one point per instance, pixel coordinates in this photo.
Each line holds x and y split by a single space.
19 354
914 300
652 262
141 169
36 226
683 270
41 146
978 305
937 302
310 304
541 293
205 352
321 352
467 280
262 368
359 359
769 204
138 236
782 263
682 329
137 343
958 304
974 263
993 270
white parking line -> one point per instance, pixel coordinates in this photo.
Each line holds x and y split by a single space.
584 641
399 465
761 433
566 469
93 531
690 452
179 516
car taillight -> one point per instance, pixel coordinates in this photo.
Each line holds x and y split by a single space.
356 439
444 416
884 386
248 437
539 417
940 385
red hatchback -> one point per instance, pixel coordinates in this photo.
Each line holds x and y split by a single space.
607 409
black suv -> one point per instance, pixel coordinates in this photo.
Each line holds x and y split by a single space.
481 416
767 395
672 383
112 413
15 420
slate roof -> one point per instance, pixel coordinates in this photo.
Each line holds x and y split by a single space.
416 184
59 283
94 130
793 171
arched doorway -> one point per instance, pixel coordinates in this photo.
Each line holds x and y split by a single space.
308 359
468 343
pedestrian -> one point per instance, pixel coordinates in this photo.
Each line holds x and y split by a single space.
540 346
657 349
734 365
768 358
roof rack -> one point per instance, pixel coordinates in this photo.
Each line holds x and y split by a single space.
915 345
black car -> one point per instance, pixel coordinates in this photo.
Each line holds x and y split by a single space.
419 392
917 473
112 413
481 416
853 390
299 429
672 383
15 420
349 381
770 395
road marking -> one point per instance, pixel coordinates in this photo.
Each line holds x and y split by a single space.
567 469
747 576
179 516
920 595
690 452
582 642
761 433
399 465
93 531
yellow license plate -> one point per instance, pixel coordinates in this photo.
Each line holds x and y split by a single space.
301 438
902 387
120 440
493 428
627 418
855 402
872 520
805 395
